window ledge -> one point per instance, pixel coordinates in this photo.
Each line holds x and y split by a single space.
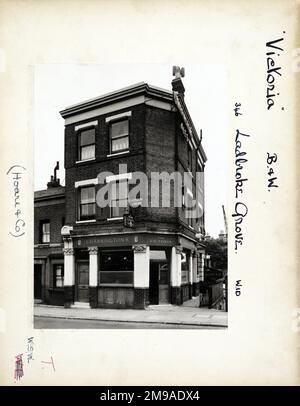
85 221
118 153
85 160
114 218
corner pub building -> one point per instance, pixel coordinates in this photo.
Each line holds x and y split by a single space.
114 257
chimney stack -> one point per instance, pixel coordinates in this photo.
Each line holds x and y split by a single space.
54 181
177 85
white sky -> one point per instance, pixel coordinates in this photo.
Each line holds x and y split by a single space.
57 86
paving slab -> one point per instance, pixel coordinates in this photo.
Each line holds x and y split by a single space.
184 315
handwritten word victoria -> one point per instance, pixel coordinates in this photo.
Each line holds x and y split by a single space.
273 70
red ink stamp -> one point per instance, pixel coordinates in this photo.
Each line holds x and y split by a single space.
19 373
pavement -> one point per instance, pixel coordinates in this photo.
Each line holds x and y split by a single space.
187 314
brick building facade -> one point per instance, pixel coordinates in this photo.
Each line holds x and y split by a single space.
121 255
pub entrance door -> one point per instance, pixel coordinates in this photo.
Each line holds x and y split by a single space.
159 291
82 282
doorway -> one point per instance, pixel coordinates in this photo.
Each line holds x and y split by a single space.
37 281
153 283
159 278
82 282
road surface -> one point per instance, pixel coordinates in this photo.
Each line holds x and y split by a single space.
59 323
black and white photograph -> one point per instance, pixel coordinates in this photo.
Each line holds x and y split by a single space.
149 173
130 227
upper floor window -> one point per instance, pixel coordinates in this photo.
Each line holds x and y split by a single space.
86 144
119 198
45 232
119 136
87 203
189 208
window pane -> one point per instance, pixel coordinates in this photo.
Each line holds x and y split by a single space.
119 190
87 195
118 211
46 227
87 152
164 274
46 238
119 198
116 261
87 203
120 128
119 144
87 209
59 276
46 232
158 255
59 282
184 276
87 137
116 277
184 261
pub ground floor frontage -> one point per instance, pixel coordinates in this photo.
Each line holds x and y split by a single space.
130 270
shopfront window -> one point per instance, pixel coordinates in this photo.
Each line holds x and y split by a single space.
116 267
185 273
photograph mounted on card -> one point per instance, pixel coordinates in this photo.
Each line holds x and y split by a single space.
149 204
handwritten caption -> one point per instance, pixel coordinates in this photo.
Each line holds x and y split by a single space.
17 172
19 370
240 209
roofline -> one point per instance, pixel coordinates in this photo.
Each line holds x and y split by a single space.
129 92
124 93
55 197
60 195
197 139
201 149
